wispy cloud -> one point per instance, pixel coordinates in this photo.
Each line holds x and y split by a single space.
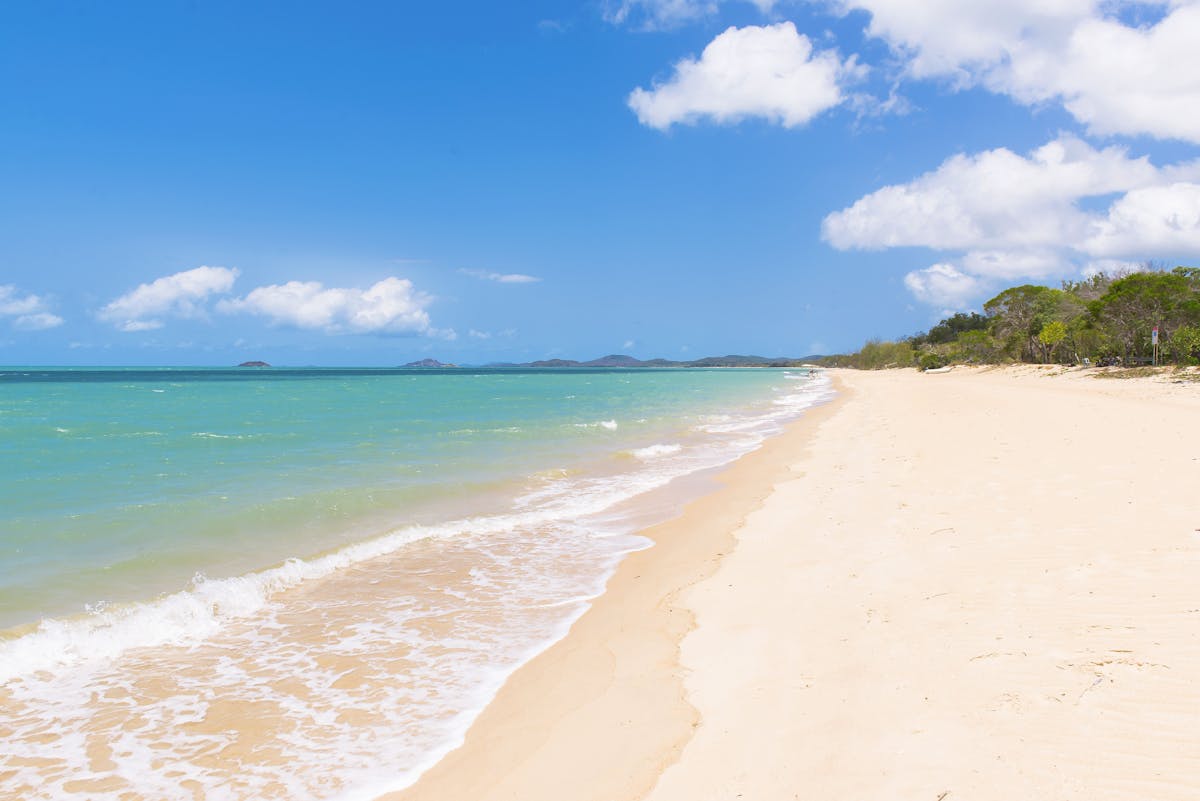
659 14
27 312
501 278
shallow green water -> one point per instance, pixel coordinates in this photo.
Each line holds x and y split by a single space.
122 484
387 543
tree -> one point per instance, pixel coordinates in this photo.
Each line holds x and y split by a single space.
1019 314
1104 315
1190 274
1086 338
1136 303
1090 288
948 329
1051 336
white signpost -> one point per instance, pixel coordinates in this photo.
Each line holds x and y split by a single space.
1154 342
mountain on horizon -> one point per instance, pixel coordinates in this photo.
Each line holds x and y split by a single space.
614 360
619 360
429 363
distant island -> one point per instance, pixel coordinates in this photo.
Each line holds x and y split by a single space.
614 360
429 363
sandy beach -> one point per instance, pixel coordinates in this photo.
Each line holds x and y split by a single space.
979 584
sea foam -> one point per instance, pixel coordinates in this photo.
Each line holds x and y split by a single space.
250 639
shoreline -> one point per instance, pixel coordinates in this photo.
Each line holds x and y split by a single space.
349 672
978 584
608 674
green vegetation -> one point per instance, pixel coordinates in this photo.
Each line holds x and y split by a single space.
1104 319
932 361
876 355
948 330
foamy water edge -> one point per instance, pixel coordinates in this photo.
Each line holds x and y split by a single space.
189 617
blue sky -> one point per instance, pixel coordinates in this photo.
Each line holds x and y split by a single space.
370 183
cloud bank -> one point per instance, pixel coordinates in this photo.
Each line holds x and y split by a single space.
1119 67
1109 68
1011 216
390 306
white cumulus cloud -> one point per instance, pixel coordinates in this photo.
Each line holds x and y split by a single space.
27 312
943 285
993 200
768 71
391 306
1113 76
1154 219
1008 216
183 294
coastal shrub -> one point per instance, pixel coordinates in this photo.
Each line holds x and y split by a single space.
1184 344
976 347
932 361
878 355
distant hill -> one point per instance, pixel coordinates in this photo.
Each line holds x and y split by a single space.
741 361
429 363
254 364
553 363
622 361
614 360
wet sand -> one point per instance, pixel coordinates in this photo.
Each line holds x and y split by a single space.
977 584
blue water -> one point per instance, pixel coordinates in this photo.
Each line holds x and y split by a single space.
151 520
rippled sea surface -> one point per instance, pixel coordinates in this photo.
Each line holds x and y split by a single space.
235 584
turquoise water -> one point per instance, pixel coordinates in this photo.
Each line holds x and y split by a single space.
119 484
173 540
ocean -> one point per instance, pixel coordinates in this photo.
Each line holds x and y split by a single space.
306 583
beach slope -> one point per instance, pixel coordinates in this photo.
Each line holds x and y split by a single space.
981 584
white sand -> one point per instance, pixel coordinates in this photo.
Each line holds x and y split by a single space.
972 585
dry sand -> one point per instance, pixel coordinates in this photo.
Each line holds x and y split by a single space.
983 584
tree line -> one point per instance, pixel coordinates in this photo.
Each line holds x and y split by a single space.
1105 319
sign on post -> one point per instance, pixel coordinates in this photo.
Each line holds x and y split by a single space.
1154 343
